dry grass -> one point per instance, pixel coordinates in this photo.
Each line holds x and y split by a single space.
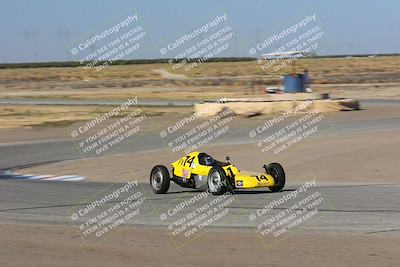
60 116
317 67
209 80
377 77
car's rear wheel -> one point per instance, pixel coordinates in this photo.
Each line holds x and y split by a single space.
160 179
216 181
277 172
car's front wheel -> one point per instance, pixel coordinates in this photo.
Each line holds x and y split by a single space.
160 179
216 181
276 171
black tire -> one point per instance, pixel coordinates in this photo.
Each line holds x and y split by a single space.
160 179
276 171
216 181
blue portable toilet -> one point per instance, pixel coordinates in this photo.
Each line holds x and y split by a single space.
293 83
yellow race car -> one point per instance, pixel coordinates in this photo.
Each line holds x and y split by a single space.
201 171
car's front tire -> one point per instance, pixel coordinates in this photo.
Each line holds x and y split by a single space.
277 172
216 180
160 179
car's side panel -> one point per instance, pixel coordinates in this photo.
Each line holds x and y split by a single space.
251 180
188 165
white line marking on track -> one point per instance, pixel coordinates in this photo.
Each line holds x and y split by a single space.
14 175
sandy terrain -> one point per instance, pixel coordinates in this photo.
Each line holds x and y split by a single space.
59 245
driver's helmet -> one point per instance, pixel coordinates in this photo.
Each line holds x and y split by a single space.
209 160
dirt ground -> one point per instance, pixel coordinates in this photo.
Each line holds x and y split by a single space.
60 245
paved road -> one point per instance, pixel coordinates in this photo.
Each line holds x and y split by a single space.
355 208
365 209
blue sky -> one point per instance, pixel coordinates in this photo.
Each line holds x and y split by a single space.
46 30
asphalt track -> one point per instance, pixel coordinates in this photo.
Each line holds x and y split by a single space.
42 151
366 209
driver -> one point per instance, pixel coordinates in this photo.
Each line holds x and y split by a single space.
209 160
206 160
